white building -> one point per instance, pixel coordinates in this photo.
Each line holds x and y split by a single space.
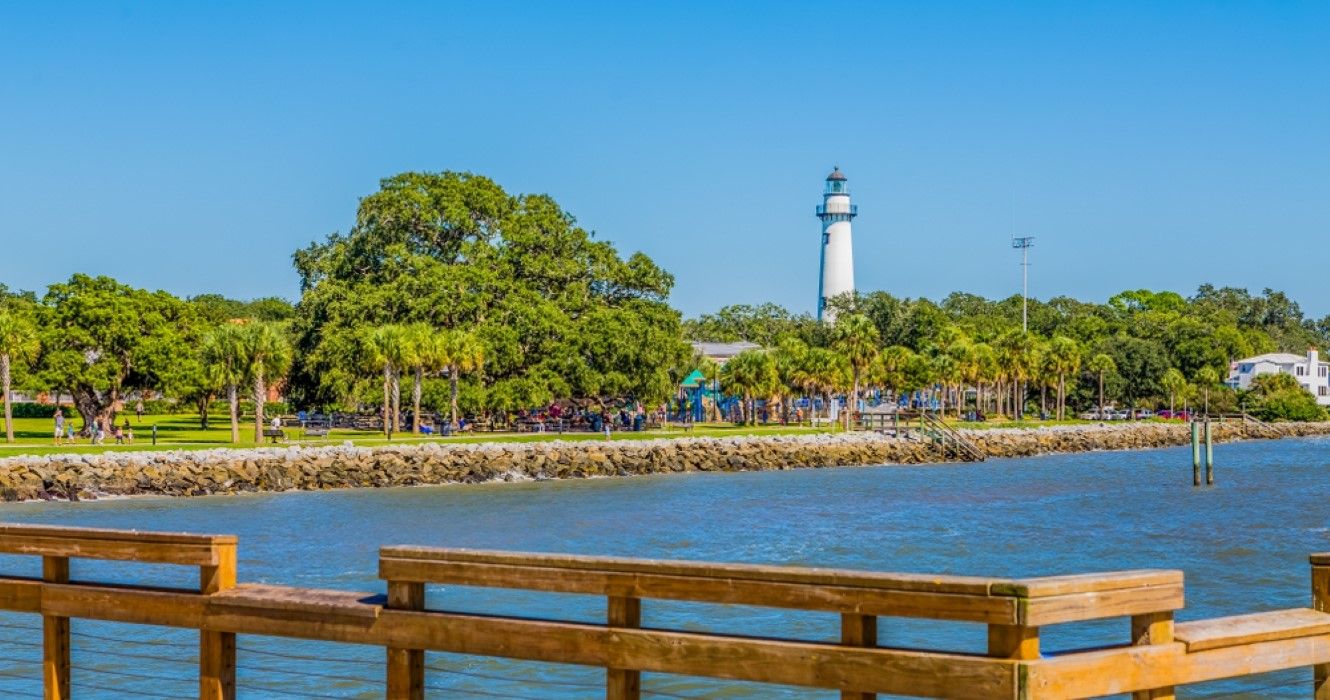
1309 370
721 353
837 274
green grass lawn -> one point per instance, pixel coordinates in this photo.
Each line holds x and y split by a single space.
33 436
182 432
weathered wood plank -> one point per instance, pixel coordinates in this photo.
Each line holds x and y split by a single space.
217 650
858 631
96 533
55 637
1255 627
803 596
406 666
1016 642
90 543
623 683
125 604
20 595
1321 603
1152 628
1122 602
285 602
889 671
1043 586
1126 669
967 585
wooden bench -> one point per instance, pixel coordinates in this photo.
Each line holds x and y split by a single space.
316 430
274 434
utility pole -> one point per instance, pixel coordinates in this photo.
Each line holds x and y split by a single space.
1024 243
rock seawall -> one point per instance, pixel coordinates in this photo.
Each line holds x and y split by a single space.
206 472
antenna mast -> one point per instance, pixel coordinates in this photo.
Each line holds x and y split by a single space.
1024 243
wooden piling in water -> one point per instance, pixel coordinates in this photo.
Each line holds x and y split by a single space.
1195 453
1209 456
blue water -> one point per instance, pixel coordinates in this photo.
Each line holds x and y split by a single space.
1243 545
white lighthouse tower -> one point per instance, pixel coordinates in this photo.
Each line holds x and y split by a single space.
836 213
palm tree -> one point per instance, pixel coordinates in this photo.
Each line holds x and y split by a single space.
856 338
426 353
820 373
893 362
968 368
1175 384
385 347
1207 377
465 353
1101 365
984 367
1016 352
789 357
945 369
751 373
223 361
266 355
18 343
1064 357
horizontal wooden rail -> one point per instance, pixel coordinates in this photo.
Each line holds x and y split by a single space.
1157 656
214 555
121 545
1030 602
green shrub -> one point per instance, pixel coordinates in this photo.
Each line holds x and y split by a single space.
1290 404
37 410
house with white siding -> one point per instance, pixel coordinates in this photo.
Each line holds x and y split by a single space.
1308 370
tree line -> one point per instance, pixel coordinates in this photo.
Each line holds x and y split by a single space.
1140 349
479 300
482 302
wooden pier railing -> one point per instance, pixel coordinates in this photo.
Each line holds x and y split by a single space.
1156 656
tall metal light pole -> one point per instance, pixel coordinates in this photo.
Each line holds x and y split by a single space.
1024 243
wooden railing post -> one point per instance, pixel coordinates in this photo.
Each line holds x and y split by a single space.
1153 628
406 667
1321 602
622 683
1016 642
858 631
217 650
55 636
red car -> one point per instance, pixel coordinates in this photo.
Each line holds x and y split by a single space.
1175 415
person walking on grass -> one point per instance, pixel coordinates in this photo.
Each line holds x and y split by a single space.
59 425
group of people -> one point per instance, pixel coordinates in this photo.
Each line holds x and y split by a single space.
96 432
595 419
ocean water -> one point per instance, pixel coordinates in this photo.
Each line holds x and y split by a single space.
1243 545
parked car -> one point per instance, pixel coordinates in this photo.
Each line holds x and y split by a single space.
1119 414
1175 415
1144 414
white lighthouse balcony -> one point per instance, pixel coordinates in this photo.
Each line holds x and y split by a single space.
837 212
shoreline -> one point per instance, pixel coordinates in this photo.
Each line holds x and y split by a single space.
222 471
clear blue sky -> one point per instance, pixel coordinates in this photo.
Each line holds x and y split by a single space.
192 148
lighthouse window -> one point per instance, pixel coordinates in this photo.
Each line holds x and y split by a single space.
825 237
